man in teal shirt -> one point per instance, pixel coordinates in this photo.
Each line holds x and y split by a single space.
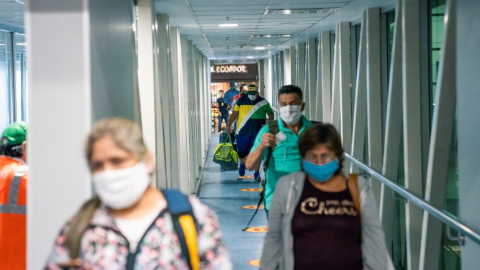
285 157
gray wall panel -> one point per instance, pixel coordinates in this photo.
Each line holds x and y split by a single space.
112 69
468 117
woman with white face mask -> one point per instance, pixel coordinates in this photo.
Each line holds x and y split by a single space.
131 225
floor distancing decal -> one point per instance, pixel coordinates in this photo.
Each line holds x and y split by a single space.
253 207
251 189
257 229
254 263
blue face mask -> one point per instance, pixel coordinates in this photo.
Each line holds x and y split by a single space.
320 173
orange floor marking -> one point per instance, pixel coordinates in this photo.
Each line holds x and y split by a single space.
253 207
257 229
251 189
245 177
254 263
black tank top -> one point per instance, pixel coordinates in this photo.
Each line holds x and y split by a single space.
326 231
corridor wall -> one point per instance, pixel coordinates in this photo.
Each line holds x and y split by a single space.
180 131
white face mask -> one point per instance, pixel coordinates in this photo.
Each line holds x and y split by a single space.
252 97
120 189
291 114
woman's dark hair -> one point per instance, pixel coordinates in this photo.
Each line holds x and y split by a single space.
289 89
321 134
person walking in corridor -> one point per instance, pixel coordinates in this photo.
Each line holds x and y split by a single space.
285 158
243 91
222 110
321 219
132 225
230 94
13 197
251 111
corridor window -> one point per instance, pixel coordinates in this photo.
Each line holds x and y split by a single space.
6 115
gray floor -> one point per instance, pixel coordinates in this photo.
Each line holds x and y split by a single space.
221 192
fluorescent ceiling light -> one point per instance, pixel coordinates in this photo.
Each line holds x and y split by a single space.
250 57
275 35
21 44
228 25
302 11
259 48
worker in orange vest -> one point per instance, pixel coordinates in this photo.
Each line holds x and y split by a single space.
13 197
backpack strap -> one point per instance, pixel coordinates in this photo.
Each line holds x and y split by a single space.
184 224
353 187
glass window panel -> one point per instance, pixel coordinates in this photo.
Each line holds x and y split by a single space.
390 29
5 81
450 250
20 77
399 223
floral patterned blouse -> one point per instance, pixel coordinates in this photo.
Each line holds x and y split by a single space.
104 247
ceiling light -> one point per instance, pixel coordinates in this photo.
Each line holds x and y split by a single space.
21 44
259 48
302 11
269 45
250 57
277 35
228 25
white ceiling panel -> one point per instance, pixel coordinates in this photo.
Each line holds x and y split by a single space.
319 2
260 22
227 2
228 8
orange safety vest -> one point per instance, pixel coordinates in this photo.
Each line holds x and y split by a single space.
13 210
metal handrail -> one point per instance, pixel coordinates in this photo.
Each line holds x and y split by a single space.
441 215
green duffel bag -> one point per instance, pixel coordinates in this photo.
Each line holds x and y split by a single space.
225 155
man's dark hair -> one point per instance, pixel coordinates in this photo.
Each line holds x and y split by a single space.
288 89
14 151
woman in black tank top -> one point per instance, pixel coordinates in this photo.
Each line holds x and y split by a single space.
315 220
326 226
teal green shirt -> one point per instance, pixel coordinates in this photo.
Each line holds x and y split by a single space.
285 157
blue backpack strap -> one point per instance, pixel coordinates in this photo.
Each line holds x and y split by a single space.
184 224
